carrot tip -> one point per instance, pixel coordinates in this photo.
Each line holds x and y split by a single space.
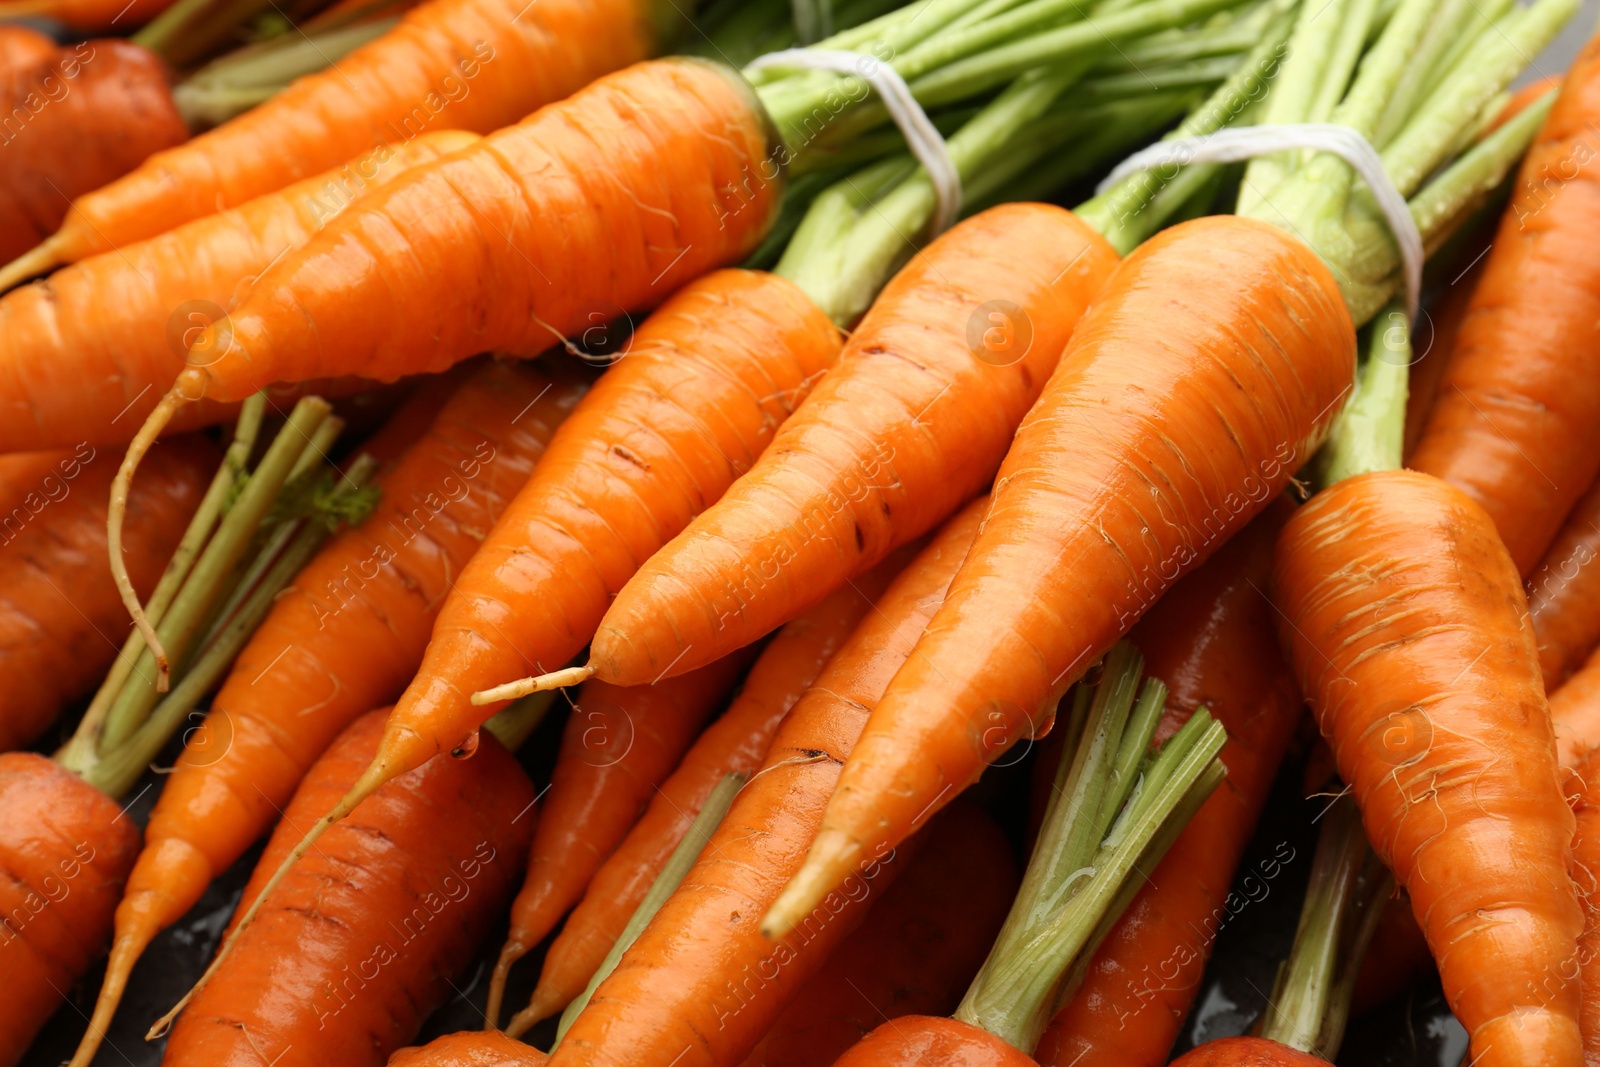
42 257
527 686
540 1007
827 864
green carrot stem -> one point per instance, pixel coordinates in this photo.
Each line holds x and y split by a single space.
121 764
1368 433
666 883
1057 922
206 584
83 746
1413 82
1227 33
1346 894
159 33
513 724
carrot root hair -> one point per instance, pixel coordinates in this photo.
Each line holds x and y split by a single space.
125 952
141 444
47 254
372 779
831 854
522 687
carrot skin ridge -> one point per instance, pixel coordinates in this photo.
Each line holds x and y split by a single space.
915 952
1406 626
1179 410
129 350
736 743
474 65
702 982
1212 639
886 447
56 832
375 588
1515 421
363 940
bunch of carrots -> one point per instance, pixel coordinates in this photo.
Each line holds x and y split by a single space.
743 537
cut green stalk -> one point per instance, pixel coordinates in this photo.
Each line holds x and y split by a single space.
678 864
1311 1001
84 744
206 584
1368 434
1104 822
515 723
120 765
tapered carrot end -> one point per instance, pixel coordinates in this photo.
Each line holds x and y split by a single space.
832 857
125 952
512 951
41 258
528 686
541 1006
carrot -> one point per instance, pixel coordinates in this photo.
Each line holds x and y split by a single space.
702 983
470 1048
1562 592
1517 421
1586 871
61 621
23 49
353 951
914 953
124 353
450 64
1243 327
88 115
1404 619
705 383
911 425
736 743
347 634
1575 714
1213 640
65 848
933 1039
619 745
1444 320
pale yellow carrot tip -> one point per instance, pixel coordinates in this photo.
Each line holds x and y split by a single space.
371 780
512 951
41 257
528 686
536 1012
141 444
827 865
124 953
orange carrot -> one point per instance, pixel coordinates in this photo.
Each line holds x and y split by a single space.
1562 594
1575 714
1517 421
911 425
123 353
1406 626
1586 871
65 847
1208 369
916 951
918 1039
364 939
472 65
736 743
1428 371
705 383
702 984
1213 640
90 114
619 745
61 621
1248 1052
470 1048
347 634
23 49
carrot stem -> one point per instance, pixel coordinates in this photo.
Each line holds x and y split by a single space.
672 874
1311 1001
120 767
1116 808
82 749
206 584
1369 432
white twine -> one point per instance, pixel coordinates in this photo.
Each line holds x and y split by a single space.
1237 143
926 143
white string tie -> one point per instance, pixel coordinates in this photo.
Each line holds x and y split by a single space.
924 139
1245 142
